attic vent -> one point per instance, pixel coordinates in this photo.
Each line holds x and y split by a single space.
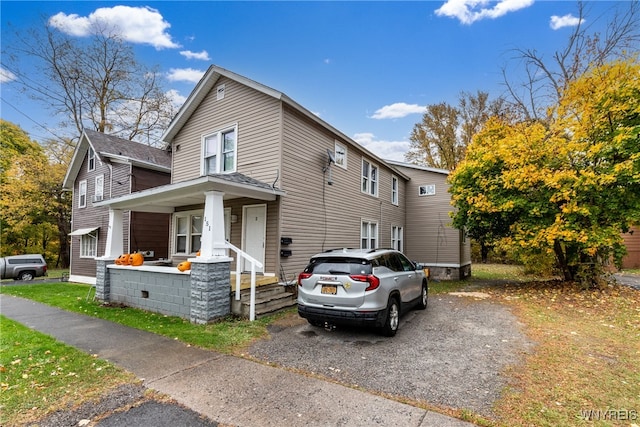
220 92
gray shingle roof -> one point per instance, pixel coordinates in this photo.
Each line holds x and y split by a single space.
243 179
107 145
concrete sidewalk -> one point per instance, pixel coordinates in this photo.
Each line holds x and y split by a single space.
226 389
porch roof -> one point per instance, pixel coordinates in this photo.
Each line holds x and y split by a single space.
166 198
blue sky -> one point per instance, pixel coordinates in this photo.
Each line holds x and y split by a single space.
367 68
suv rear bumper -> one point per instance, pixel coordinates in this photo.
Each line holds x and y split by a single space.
343 317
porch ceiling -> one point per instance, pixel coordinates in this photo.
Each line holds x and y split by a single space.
166 198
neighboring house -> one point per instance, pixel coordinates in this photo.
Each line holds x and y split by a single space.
252 167
104 167
632 242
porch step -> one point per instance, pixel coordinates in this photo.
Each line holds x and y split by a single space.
245 281
269 299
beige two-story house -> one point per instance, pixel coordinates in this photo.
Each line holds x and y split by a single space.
251 169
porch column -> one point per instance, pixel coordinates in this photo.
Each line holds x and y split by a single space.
210 288
115 235
212 237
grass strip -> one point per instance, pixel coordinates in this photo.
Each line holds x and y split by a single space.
229 335
39 374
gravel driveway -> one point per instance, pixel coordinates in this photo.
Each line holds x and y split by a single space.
450 355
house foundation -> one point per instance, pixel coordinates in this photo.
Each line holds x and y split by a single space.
201 295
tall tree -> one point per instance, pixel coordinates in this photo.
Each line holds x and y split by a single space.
568 187
94 82
441 138
585 48
35 213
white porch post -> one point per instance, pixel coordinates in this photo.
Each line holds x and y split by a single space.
114 235
212 239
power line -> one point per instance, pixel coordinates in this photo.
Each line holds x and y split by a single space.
40 125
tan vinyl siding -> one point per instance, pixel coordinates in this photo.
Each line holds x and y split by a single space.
429 236
318 216
236 205
258 119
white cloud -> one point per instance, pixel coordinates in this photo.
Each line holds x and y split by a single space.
142 25
185 75
398 110
569 20
204 55
470 11
176 99
389 150
6 76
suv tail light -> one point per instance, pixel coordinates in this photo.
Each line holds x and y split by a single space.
373 281
303 276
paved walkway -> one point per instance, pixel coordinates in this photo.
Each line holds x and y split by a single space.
226 389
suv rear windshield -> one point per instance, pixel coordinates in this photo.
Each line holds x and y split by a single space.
333 265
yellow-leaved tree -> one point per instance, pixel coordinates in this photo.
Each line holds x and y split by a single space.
34 211
567 187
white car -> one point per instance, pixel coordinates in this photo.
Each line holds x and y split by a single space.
360 287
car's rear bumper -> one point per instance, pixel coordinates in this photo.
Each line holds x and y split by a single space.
343 317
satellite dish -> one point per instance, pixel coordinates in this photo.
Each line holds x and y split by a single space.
332 158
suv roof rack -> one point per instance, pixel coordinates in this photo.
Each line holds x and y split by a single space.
341 250
381 249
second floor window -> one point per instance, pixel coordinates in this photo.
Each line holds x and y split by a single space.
341 155
82 194
369 178
394 190
99 191
220 152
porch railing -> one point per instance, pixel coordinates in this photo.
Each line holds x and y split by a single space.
254 263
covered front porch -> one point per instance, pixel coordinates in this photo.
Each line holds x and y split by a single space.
201 293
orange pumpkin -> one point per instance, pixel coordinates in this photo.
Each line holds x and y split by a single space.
136 259
184 266
122 259
198 253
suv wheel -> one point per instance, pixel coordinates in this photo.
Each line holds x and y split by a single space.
26 275
424 297
393 318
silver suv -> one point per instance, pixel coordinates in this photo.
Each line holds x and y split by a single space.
360 287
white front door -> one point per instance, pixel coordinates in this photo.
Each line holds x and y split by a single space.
255 231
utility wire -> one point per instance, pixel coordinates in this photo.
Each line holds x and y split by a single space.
34 121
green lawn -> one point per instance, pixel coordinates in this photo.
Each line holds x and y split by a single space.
39 373
585 359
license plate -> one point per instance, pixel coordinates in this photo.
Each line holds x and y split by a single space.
329 289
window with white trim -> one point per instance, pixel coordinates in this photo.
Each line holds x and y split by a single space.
427 190
394 190
369 178
188 233
99 189
397 237
341 155
368 235
82 194
219 151
89 245
91 159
